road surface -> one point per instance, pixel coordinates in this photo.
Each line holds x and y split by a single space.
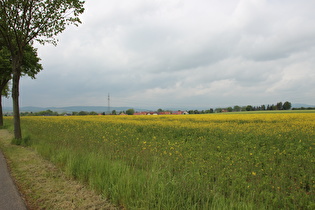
10 198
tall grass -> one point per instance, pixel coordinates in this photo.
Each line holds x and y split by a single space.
263 161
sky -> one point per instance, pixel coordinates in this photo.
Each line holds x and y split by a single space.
180 53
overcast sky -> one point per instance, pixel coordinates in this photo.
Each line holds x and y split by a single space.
180 53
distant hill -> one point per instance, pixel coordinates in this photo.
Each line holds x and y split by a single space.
302 105
69 109
100 109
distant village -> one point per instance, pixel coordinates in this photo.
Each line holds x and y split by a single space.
113 112
159 113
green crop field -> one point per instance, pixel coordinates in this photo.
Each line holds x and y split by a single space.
215 161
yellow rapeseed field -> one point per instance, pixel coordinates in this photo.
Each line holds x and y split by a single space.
187 161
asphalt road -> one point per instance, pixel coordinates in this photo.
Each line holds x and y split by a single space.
10 198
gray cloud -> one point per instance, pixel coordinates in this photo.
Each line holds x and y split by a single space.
180 53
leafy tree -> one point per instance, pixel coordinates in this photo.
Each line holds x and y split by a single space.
114 112
93 113
47 113
237 108
83 113
249 108
25 21
279 106
130 111
229 109
287 105
5 76
30 67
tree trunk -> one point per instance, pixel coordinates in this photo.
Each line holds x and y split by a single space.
2 86
1 113
15 97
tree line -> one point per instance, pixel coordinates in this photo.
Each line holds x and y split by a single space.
278 106
304 108
49 112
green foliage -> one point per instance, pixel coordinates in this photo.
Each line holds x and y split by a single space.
249 108
237 108
130 111
40 20
30 64
287 105
5 69
26 141
46 113
83 113
279 106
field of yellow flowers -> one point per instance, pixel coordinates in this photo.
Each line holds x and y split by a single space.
226 161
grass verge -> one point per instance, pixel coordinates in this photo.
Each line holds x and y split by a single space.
44 186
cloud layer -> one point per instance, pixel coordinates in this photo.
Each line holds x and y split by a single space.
180 53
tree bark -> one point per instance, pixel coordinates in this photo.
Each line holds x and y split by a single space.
16 69
2 86
16 107
1 113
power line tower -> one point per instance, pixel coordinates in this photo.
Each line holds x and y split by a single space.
108 107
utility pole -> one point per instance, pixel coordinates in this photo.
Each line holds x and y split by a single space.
108 107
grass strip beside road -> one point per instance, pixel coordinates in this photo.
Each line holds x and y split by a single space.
43 185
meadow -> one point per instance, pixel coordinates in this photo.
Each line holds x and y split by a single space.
213 161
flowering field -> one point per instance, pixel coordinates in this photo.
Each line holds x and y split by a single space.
254 161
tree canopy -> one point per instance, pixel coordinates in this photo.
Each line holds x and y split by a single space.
130 111
40 20
30 67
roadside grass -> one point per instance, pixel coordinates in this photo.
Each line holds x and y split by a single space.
43 185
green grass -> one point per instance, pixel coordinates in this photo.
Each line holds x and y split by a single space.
44 186
219 161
